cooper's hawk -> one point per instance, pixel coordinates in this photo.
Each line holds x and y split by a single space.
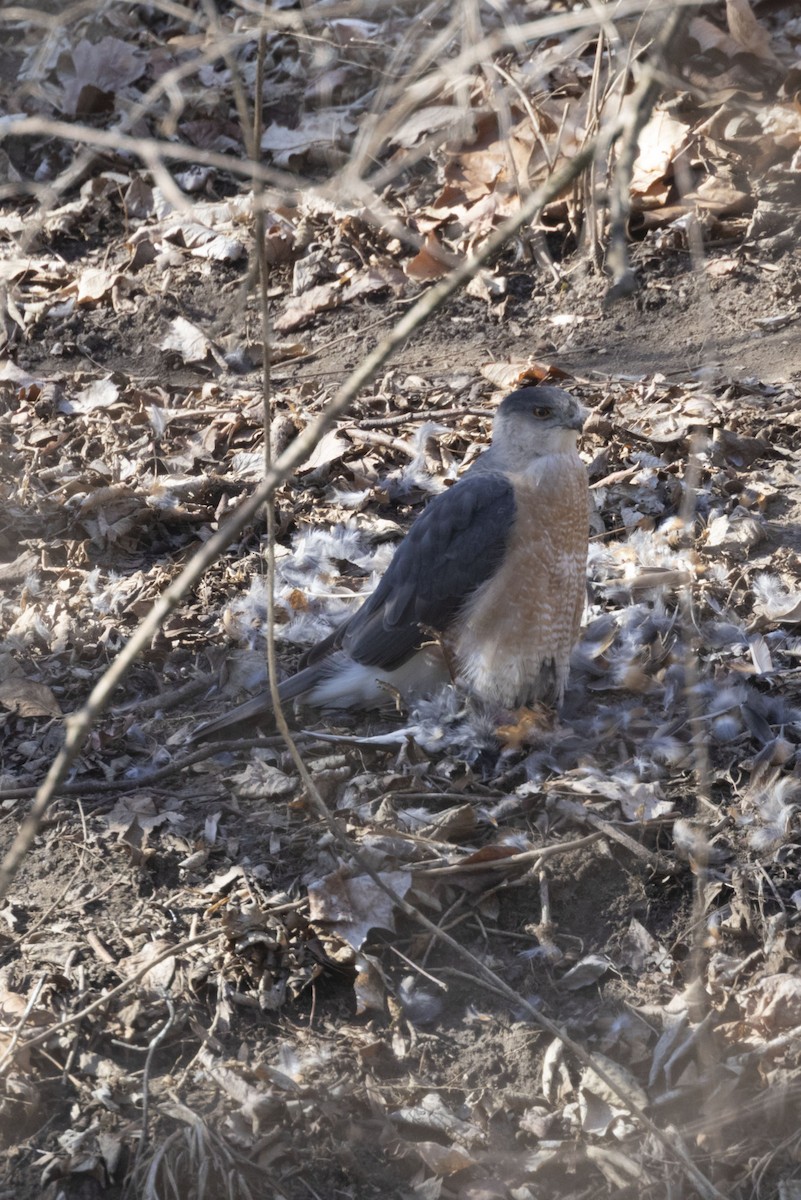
488 585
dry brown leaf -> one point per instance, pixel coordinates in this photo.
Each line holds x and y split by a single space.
100 393
486 285
187 340
140 807
352 906
329 449
507 376
29 699
374 279
423 122
746 29
432 261
588 971
433 1113
161 975
660 142
262 781
720 267
318 132
16 571
108 514
444 1160
591 1082
720 195
92 285
107 66
774 1003
496 161
210 243
302 308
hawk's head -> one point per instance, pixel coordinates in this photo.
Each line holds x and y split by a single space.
535 421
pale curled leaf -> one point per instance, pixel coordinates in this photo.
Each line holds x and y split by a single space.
92 285
662 139
187 340
444 1160
262 780
556 1082
589 970
108 65
620 1170
774 1003
99 394
317 131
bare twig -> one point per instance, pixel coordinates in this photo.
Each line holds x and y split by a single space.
155 1042
115 787
510 861
642 102
152 151
45 1035
11 1049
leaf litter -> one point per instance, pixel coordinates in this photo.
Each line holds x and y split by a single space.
651 905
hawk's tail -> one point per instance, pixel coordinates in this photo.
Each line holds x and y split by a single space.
259 707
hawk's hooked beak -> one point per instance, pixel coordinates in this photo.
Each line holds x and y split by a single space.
580 417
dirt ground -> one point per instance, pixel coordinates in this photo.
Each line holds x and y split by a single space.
330 1094
203 993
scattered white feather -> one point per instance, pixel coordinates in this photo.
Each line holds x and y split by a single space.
416 475
354 498
307 595
768 809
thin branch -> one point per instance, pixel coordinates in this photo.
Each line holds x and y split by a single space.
624 281
151 150
45 1035
155 1042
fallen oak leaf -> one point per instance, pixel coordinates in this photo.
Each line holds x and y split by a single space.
29 699
431 262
